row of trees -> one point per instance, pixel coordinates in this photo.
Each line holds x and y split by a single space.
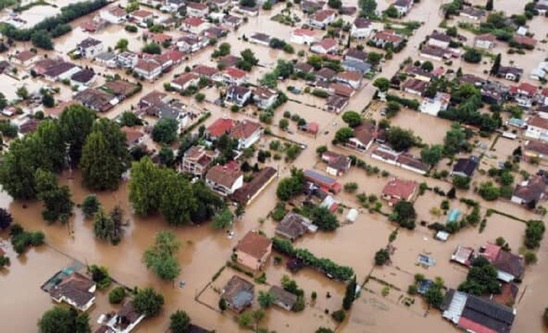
155 189
161 257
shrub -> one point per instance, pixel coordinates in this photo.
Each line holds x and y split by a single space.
339 316
117 295
382 256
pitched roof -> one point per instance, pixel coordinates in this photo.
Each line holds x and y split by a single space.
489 314
89 42
132 135
291 226
83 76
251 189
303 67
322 15
537 146
194 21
400 188
538 122
25 55
486 37
509 263
153 97
365 133
141 13
197 6
220 126
341 89
524 40
304 32
203 70
388 36
356 54
254 244
326 73
350 76
229 60
530 190
244 129
282 296
415 84
362 23
235 73
238 90
466 165
264 93
147 65
185 78
74 287
327 44
440 36
238 292
223 175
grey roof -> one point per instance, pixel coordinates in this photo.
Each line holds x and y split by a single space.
168 111
358 66
88 42
83 76
466 166
105 56
495 316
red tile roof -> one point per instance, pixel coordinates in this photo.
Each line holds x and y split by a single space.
235 73
244 129
254 244
194 21
322 15
399 188
223 175
304 32
220 126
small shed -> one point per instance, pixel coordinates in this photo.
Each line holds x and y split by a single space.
426 260
352 215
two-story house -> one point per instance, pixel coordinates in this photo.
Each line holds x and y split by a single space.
253 250
197 160
225 179
238 95
264 97
361 28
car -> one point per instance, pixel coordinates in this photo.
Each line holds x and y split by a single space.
383 112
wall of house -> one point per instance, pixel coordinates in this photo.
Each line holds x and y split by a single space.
247 260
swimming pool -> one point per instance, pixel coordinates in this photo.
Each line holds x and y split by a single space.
453 215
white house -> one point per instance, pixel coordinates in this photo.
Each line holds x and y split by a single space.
76 290
114 15
194 9
537 128
351 78
264 97
127 59
195 25
225 179
185 81
247 133
322 18
123 322
148 68
90 47
326 46
485 41
141 17
439 40
433 106
231 76
403 6
303 36
361 28
238 95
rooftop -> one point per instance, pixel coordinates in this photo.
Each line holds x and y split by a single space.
254 244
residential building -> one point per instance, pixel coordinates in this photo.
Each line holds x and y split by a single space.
465 167
238 95
253 250
24 58
387 38
195 9
328 184
537 128
530 192
540 71
238 294
403 6
418 73
192 43
439 39
96 99
535 149
303 67
485 41
309 7
153 98
134 137
264 97
107 59
398 189
356 66
322 18
351 78
260 38
361 28
509 266
326 46
247 193
477 314
114 15
415 86
247 132
149 69
233 21
205 71
292 226
185 81
82 78
472 13
124 321
355 55
219 127
76 290
120 89
127 59
510 73
283 298
60 71
524 41
433 106
364 135
197 160
335 103
337 164
224 179
195 25
325 74
231 76
303 36
220 4
463 255
341 90
141 17
435 52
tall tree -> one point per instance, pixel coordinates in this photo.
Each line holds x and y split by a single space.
104 156
57 200
165 131
350 294
145 187
103 226
177 200
53 143
90 206
367 7
148 302
496 65
76 122
161 256
223 219
63 320
179 322
19 166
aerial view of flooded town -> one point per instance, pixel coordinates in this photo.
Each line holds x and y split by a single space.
272 166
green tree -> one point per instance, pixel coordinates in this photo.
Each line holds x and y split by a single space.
506 178
367 8
53 145
374 58
166 156
152 48
324 219
404 214
76 123
223 50
41 39
266 299
392 109
63 320
496 65
90 206
454 140
401 139
145 187
350 294
432 154
104 227
382 256
324 330
3 101
534 232
165 131
352 118
427 66
104 157
461 182
481 278
434 295
488 191
160 257
117 295
179 322
283 124
223 219
148 302
392 12
248 3
269 80
335 4
208 203
129 119
177 201
472 56
5 219
344 134
122 45
22 93
291 186
57 200
248 60
48 100
381 83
